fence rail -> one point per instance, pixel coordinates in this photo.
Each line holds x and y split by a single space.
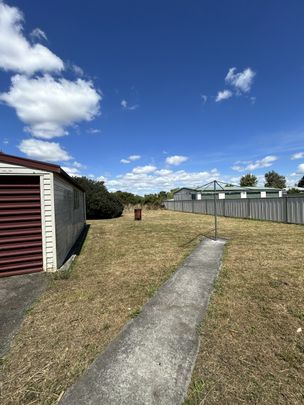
285 209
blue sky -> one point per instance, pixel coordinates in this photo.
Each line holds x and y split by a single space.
149 96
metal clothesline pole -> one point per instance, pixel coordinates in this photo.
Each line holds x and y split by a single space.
215 213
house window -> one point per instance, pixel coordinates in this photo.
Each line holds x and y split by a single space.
76 199
193 196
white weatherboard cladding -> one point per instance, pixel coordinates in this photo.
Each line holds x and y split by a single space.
221 196
47 209
69 217
243 194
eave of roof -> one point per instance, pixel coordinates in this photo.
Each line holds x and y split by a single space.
36 164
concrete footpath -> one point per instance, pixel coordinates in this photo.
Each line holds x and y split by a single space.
151 360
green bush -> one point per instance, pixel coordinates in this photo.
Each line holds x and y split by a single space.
100 203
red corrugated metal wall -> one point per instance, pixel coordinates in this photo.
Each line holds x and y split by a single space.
20 225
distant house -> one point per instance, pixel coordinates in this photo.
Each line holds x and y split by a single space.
229 192
42 213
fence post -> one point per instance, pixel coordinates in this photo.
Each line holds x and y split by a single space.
192 206
182 205
224 208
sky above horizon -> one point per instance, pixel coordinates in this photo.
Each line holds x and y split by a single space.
151 96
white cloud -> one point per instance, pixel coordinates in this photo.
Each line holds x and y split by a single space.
126 106
299 155
71 171
160 180
144 169
16 53
240 81
176 160
301 168
223 95
37 34
241 166
134 157
42 150
130 159
47 105
79 165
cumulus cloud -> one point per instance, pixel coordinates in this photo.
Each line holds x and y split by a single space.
48 105
71 171
16 52
299 155
241 166
79 165
223 95
301 168
144 169
130 159
162 179
42 150
125 106
241 81
176 160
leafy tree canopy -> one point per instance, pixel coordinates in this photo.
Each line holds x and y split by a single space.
100 203
301 182
274 179
248 180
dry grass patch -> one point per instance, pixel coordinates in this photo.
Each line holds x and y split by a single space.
251 351
121 265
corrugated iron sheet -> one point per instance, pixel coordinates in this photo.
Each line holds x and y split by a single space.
288 210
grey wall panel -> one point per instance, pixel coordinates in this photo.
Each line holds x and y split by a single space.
295 210
289 209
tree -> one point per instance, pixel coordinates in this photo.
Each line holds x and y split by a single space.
301 182
248 180
274 179
100 204
293 191
128 198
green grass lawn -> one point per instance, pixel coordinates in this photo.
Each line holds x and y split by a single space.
250 349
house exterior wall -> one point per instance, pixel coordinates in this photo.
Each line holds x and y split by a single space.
69 216
47 209
184 194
